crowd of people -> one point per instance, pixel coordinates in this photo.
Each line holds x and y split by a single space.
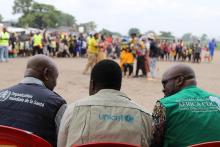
186 114
145 50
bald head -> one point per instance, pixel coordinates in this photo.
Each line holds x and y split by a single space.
180 69
44 69
177 77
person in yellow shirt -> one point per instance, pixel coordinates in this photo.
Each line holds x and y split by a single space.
123 58
37 47
129 62
92 52
4 45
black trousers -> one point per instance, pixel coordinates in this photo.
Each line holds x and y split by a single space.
197 57
129 68
37 50
140 65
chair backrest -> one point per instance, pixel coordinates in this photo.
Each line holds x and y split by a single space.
13 137
207 144
106 144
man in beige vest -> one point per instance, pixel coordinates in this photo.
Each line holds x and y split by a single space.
107 115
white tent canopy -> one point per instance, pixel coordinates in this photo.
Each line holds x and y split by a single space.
15 30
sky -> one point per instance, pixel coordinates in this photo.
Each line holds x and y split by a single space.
176 16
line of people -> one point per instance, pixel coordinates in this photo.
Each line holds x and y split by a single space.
71 45
185 115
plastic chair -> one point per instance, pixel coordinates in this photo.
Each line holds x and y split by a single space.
106 144
13 137
207 144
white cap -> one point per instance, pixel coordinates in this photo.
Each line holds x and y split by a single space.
151 36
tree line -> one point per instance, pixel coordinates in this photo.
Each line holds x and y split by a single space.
39 15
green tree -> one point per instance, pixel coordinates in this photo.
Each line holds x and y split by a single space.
65 19
106 32
166 35
109 33
22 6
40 15
187 37
134 30
204 38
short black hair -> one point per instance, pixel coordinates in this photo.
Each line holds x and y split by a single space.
107 74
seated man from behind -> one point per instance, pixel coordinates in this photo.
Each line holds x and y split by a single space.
32 105
187 114
107 115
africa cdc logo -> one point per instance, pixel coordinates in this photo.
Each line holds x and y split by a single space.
4 95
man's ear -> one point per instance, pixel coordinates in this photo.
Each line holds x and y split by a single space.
180 81
92 87
45 74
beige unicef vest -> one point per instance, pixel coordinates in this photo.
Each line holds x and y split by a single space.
109 120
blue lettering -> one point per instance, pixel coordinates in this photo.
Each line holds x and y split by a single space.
123 118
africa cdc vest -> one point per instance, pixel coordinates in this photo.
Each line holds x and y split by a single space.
192 116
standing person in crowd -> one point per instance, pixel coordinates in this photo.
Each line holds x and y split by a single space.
38 45
72 44
129 62
146 57
12 42
32 105
197 52
4 45
140 56
122 61
179 48
109 48
107 114
187 114
212 46
173 50
154 53
117 48
162 48
102 49
45 43
52 45
189 52
92 52
167 48
133 43
82 44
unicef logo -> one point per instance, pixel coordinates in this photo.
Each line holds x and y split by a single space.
129 118
4 95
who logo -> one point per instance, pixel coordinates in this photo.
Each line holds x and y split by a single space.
4 95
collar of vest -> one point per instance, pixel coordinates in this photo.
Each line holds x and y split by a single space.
112 92
188 87
32 80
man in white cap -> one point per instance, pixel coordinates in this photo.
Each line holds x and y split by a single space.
154 53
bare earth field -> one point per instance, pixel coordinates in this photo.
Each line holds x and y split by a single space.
72 85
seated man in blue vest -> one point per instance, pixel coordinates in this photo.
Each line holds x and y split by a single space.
107 115
187 114
32 105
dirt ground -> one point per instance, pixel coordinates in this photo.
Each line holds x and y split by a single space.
73 85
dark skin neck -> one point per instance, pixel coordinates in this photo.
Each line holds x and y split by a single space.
94 88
